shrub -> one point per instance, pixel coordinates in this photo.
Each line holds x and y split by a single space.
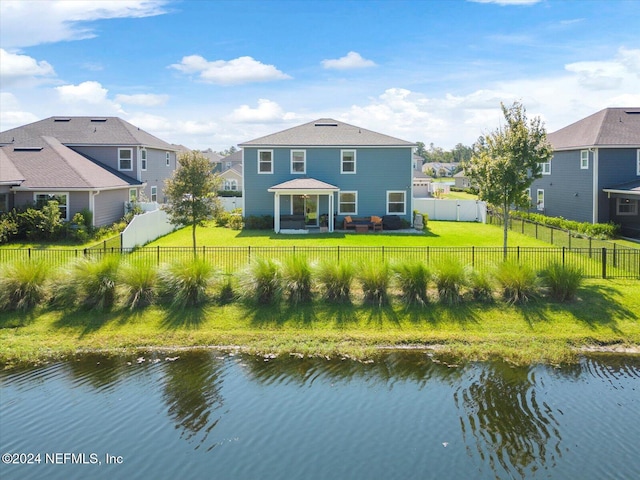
8 227
335 280
42 224
296 279
89 283
451 276
518 283
23 285
137 285
253 222
562 281
481 285
374 278
235 222
412 278
261 281
186 284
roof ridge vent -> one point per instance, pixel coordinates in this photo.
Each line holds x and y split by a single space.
99 119
62 119
325 124
27 149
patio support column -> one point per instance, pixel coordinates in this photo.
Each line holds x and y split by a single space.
276 212
331 212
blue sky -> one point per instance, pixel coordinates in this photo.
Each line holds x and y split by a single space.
217 73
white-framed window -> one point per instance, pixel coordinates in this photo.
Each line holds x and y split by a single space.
167 159
540 199
348 203
231 184
347 161
265 161
584 159
42 198
154 193
4 202
626 206
546 168
298 161
133 195
638 162
396 202
125 159
143 159
228 165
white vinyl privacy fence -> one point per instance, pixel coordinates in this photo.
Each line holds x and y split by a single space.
145 228
452 210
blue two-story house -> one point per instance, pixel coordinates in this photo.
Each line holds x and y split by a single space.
594 175
325 170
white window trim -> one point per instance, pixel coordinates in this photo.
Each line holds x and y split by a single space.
404 202
154 193
167 157
55 194
143 159
638 162
130 150
546 168
270 152
538 206
133 191
584 159
624 214
355 162
304 162
340 212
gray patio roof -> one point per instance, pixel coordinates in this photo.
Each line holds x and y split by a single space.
304 184
628 188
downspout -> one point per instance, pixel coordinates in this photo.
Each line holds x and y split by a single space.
92 206
594 217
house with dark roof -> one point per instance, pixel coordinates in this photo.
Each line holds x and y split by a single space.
327 169
230 171
594 175
94 163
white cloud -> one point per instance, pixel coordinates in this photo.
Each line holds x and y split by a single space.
349 61
33 22
11 114
267 111
143 99
16 68
233 72
87 98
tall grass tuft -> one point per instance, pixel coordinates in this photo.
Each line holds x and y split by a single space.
335 280
451 276
89 283
227 292
297 279
186 284
482 286
23 285
374 278
262 282
412 278
518 283
137 285
562 281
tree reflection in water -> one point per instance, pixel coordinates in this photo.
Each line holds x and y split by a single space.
512 430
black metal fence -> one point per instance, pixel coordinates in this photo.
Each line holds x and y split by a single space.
600 262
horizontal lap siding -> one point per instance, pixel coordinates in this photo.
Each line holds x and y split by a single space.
109 206
616 166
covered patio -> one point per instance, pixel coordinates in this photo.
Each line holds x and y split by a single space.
624 207
306 200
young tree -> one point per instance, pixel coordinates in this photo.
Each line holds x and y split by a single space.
192 192
507 161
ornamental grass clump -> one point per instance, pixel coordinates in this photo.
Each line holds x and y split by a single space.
23 285
137 285
334 280
374 278
261 282
89 283
186 284
562 281
412 279
482 286
297 279
518 283
451 276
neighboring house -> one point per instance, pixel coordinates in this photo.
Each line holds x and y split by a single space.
95 163
421 180
440 169
215 158
327 168
231 172
594 175
461 180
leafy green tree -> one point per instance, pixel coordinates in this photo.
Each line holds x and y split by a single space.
507 161
192 192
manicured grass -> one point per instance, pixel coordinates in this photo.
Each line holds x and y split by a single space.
607 312
438 234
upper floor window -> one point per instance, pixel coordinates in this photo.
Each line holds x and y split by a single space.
265 161
546 168
231 184
584 159
143 159
125 159
298 161
167 159
348 161
396 202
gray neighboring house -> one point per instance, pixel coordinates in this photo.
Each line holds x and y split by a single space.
594 175
95 163
231 172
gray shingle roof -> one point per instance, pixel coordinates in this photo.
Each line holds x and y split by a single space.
58 167
83 131
326 132
608 127
304 184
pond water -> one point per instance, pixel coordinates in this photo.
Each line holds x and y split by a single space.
212 415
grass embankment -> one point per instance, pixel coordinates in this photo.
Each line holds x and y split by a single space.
607 313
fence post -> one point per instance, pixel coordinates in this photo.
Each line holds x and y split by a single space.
551 235
563 252
604 262
249 254
522 229
158 254
537 231
29 253
383 253
338 253
569 233
518 253
473 256
615 256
